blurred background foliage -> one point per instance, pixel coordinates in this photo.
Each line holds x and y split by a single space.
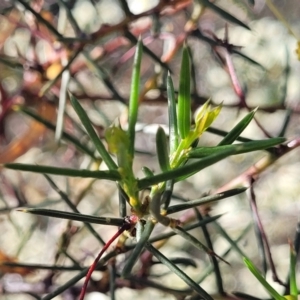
87 47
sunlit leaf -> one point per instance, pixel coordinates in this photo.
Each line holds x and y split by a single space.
291 297
118 143
184 96
205 117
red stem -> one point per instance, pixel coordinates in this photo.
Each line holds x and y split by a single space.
94 264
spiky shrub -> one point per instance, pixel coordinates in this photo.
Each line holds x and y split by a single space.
146 203
178 156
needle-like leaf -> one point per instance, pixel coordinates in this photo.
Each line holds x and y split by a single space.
210 268
184 96
164 260
134 96
187 227
65 78
275 295
41 266
225 235
238 129
239 148
103 75
173 127
138 249
196 243
108 175
162 149
204 200
73 216
224 133
92 133
185 170
224 14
